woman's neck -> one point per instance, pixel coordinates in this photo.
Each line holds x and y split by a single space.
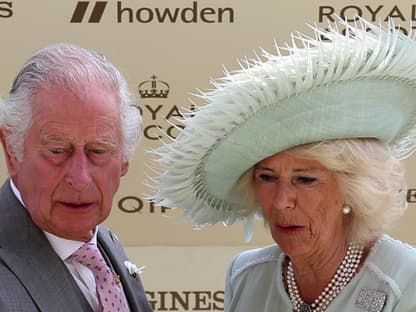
313 272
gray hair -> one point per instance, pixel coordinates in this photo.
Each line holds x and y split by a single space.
68 66
372 180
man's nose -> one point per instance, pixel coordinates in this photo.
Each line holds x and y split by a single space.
78 173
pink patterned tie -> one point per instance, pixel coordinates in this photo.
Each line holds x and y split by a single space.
110 292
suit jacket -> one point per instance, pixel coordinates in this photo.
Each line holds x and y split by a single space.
34 278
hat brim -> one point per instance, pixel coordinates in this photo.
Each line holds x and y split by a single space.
361 84
378 109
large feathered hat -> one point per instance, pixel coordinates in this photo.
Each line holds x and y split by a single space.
355 83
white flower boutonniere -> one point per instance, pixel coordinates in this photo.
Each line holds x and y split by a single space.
133 269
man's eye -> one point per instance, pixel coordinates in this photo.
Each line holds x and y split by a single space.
98 151
57 150
99 155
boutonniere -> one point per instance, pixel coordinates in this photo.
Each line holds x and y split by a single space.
133 269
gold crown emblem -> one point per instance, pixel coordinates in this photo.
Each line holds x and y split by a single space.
153 88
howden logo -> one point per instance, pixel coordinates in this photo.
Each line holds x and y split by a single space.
194 12
81 9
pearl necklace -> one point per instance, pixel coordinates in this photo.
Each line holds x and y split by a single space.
342 277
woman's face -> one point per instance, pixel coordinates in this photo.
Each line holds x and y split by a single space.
302 202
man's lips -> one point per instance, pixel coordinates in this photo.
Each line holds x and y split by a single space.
76 205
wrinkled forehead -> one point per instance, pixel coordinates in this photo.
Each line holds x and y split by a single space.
60 112
290 161
85 98
101 130
80 89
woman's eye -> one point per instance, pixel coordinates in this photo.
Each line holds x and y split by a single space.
305 180
267 177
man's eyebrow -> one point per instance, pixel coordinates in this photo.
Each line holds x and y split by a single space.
48 138
104 142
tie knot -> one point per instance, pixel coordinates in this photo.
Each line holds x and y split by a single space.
89 255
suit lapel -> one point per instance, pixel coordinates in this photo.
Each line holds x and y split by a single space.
27 253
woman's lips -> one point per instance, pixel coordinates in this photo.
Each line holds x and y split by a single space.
290 228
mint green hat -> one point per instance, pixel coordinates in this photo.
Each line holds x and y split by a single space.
357 84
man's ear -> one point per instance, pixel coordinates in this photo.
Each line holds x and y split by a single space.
11 160
124 167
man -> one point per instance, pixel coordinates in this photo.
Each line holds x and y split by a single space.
68 133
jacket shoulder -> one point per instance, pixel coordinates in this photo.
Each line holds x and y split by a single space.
254 258
394 262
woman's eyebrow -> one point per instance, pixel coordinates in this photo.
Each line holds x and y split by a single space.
262 168
301 169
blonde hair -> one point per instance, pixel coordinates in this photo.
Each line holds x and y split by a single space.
372 180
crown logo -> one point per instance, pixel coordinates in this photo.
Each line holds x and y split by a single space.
153 88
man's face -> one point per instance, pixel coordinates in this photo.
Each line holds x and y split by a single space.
72 161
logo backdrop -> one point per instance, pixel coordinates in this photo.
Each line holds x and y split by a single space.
168 49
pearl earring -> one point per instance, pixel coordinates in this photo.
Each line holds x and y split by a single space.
346 209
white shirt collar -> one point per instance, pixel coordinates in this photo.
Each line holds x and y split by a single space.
63 247
66 247
16 192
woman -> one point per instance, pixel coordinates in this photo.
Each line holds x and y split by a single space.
313 142
326 204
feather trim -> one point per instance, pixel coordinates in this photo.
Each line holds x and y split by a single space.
365 52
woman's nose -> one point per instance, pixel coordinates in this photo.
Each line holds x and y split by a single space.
284 195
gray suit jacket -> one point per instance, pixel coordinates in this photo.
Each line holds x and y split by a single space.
34 278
